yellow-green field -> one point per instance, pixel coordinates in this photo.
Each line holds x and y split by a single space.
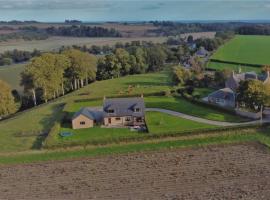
11 74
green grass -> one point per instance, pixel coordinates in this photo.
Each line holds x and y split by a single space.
245 49
159 123
184 106
11 74
204 92
20 133
131 148
221 66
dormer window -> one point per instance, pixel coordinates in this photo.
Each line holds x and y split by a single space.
137 110
111 111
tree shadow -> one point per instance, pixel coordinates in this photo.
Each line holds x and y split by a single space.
47 122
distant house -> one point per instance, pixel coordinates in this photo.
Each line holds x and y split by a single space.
224 97
124 112
235 79
202 52
117 112
86 118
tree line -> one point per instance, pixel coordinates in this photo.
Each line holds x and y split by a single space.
50 75
17 56
82 31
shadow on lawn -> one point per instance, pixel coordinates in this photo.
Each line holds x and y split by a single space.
47 122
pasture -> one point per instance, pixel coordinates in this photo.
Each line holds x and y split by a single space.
54 43
252 50
11 74
234 67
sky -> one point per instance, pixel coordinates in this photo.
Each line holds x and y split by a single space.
134 10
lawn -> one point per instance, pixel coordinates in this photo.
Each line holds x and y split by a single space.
11 74
184 106
234 67
159 123
245 49
21 133
237 137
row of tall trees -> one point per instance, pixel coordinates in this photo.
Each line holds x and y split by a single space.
50 75
7 103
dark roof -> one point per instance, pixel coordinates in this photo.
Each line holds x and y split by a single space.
202 51
225 93
124 107
90 113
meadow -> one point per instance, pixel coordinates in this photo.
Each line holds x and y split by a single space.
234 67
11 74
253 50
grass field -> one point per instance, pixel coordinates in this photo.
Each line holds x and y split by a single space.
221 66
245 49
184 106
237 137
11 74
21 133
159 123
54 43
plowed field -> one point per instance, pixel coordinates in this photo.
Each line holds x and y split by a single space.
238 171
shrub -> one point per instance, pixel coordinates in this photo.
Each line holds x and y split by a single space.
52 136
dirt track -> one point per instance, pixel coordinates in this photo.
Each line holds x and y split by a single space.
229 172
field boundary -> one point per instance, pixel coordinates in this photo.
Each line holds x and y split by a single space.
235 63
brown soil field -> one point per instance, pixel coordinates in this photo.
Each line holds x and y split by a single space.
239 171
199 35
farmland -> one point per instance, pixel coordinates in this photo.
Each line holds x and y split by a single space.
11 74
245 51
235 67
239 171
54 43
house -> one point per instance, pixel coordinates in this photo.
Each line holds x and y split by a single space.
202 52
116 112
124 112
87 118
235 79
224 97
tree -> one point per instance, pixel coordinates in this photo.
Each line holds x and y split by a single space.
123 58
180 75
82 69
7 103
253 94
220 77
190 39
196 64
156 57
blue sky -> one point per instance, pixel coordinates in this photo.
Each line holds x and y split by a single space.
134 10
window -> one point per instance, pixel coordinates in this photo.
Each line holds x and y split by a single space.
139 119
128 119
110 111
137 110
117 118
82 123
